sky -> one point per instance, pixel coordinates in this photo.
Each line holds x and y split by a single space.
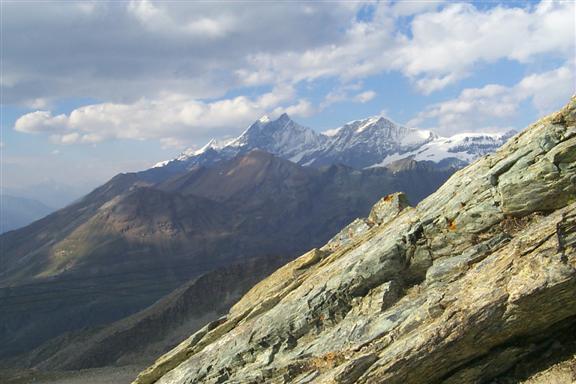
93 88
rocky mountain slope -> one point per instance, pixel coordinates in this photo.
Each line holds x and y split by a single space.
140 236
138 339
477 283
371 142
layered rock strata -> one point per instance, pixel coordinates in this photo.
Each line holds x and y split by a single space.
467 287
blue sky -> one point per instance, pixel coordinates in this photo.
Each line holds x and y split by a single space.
94 88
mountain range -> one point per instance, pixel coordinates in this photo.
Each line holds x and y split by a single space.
16 212
360 144
92 262
49 192
274 192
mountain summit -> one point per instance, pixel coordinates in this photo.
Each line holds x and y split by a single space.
281 137
372 142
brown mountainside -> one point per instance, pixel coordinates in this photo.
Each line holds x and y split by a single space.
138 237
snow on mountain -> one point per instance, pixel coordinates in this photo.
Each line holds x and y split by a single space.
372 142
331 132
281 137
465 147
366 142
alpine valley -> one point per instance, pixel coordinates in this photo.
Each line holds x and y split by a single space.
123 274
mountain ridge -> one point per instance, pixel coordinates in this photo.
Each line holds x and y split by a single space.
371 142
17 212
170 227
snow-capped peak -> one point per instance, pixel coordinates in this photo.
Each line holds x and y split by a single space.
375 141
162 163
212 144
368 123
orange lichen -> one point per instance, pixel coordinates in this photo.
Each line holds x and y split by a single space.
327 361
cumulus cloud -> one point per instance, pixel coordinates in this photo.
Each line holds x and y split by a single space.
351 92
39 121
446 44
39 103
549 90
408 8
493 106
441 48
173 119
161 20
154 64
365 97
121 52
303 108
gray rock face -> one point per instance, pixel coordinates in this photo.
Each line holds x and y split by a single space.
388 208
466 287
384 210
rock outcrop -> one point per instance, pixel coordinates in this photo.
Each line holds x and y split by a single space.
385 209
476 283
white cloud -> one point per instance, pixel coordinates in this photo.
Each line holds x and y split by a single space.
39 103
493 106
407 8
187 52
365 97
348 92
442 47
427 85
66 138
39 121
172 119
303 109
446 44
549 89
161 20
122 51
147 12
